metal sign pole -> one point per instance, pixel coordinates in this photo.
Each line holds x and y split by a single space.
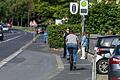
83 23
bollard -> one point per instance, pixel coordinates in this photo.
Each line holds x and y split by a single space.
94 67
47 40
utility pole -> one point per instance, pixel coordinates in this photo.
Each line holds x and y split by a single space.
28 18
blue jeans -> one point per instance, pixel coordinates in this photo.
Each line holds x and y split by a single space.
74 46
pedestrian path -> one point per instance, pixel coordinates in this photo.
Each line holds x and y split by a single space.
83 71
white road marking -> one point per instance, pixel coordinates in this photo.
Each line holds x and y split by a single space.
74 73
11 39
6 60
11 34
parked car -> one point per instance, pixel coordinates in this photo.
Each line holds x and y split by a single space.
4 26
114 65
104 48
1 33
40 29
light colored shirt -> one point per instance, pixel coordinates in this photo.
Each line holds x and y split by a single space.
84 41
71 38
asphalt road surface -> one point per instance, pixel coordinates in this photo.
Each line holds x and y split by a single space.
12 42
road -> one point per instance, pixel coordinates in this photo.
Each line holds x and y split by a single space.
29 62
13 42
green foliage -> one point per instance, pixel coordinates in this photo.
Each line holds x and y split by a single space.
55 34
102 18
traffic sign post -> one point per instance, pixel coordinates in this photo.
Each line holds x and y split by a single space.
83 7
83 23
83 11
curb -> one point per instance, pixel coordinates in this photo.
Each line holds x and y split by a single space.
60 64
90 57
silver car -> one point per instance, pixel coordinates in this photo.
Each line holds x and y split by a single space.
114 65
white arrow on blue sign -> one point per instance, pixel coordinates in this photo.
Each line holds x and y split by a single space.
73 7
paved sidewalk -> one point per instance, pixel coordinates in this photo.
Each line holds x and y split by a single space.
83 71
39 62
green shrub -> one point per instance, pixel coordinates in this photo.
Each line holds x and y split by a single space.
55 34
102 18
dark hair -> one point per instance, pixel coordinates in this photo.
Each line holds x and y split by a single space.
71 31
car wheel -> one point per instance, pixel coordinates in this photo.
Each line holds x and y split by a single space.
102 66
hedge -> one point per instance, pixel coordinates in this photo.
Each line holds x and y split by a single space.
55 34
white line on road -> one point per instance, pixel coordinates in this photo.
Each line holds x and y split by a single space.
6 60
12 34
74 73
11 39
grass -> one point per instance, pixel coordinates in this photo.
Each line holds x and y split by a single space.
26 29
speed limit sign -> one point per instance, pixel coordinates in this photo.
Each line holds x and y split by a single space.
73 7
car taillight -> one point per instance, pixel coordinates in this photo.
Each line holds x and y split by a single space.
114 61
98 51
115 78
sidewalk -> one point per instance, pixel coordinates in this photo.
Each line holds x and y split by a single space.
83 71
39 62
34 63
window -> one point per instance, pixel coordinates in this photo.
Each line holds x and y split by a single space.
117 50
106 42
116 41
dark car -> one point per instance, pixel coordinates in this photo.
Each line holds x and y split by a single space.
1 33
104 48
40 29
114 65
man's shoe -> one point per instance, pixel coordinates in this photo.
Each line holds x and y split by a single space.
82 58
74 66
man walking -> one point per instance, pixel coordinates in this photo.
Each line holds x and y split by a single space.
83 45
65 35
